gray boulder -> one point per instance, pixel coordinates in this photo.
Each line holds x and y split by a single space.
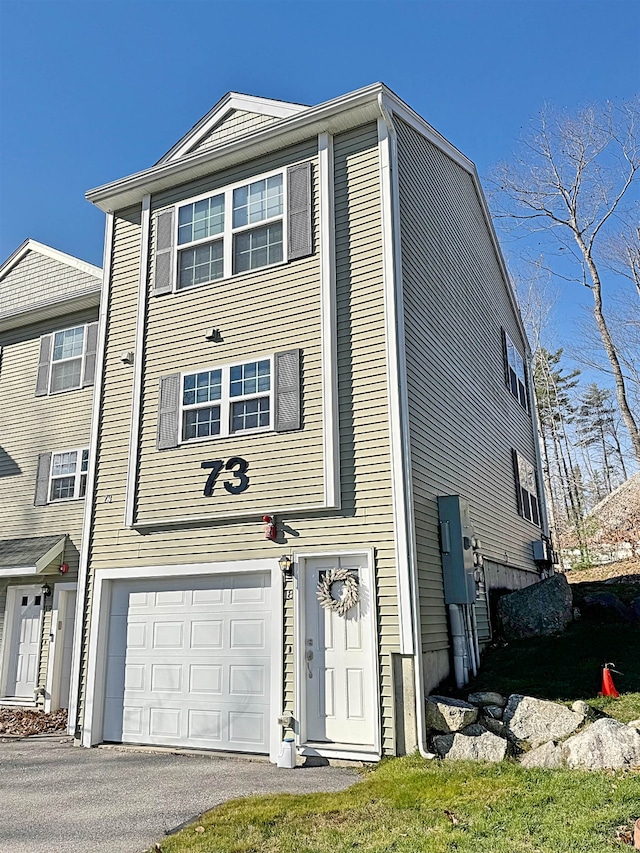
605 745
486 697
493 711
474 730
549 756
581 707
496 727
607 607
536 721
635 724
459 747
444 714
541 609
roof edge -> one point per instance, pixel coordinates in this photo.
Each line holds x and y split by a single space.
30 245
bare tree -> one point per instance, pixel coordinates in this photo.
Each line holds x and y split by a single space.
572 179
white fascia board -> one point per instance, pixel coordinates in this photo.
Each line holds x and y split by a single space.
404 112
232 101
16 571
40 564
66 304
56 255
334 116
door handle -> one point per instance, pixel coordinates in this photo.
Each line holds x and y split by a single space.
308 658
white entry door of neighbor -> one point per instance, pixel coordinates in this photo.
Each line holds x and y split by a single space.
338 660
67 649
189 663
25 643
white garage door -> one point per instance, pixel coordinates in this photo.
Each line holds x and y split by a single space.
188 663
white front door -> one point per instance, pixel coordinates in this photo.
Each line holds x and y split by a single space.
338 660
67 649
25 643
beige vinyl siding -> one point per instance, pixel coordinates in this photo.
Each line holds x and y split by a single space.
258 313
235 124
37 278
463 421
176 325
31 425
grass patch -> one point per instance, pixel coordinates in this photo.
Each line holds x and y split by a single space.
408 805
569 667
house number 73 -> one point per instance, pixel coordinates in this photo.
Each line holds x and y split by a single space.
236 465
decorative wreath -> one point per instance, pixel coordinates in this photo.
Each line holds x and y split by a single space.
351 590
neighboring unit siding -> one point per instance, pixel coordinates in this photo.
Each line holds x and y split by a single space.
274 309
31 425
37 278
234 125
463 421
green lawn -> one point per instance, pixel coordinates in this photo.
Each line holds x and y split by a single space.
409 805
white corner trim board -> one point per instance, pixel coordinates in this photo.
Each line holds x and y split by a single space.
78 629
98 637
138 361
330 428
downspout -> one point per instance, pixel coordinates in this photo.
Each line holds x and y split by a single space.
394 202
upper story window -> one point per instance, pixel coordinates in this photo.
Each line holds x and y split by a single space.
68 479
211 247
245 226
226 400
526 488
515 370
67 359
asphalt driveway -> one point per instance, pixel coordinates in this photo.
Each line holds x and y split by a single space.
57 797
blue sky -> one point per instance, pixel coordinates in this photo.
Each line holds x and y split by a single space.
92 91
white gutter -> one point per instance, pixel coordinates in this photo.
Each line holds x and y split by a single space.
408 581
81 610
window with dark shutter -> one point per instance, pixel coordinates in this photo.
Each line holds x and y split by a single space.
163 263
168 404
287 387
42 480
300 236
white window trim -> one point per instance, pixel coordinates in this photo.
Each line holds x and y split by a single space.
52 361
226 400
227 234
77 476
522 380
523 488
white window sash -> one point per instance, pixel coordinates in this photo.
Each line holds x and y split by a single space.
77 475
227 234
56 361
226 401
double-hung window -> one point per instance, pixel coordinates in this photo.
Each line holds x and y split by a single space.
67 359
515 371
226 400
238 229
526 488
68 475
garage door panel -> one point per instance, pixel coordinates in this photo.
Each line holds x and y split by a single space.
189 663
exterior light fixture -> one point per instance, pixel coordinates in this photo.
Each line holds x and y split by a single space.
286 566
46 590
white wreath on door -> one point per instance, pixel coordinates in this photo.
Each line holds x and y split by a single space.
349 597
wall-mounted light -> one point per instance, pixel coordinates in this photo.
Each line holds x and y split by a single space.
213 335
126 357
286 566
46 590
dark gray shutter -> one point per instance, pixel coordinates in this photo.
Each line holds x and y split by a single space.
89 371
287 388
163 265
168 411
42 480
299 238
44 362
516 477
505 359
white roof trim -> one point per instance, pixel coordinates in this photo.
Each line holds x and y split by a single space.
231 101
56 255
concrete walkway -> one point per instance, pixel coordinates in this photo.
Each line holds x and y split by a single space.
57 797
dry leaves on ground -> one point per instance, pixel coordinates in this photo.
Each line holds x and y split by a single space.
23 722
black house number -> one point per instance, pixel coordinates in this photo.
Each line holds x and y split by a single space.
238 468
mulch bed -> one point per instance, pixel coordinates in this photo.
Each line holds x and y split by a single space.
24 722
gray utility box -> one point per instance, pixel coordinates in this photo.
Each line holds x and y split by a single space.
456 545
